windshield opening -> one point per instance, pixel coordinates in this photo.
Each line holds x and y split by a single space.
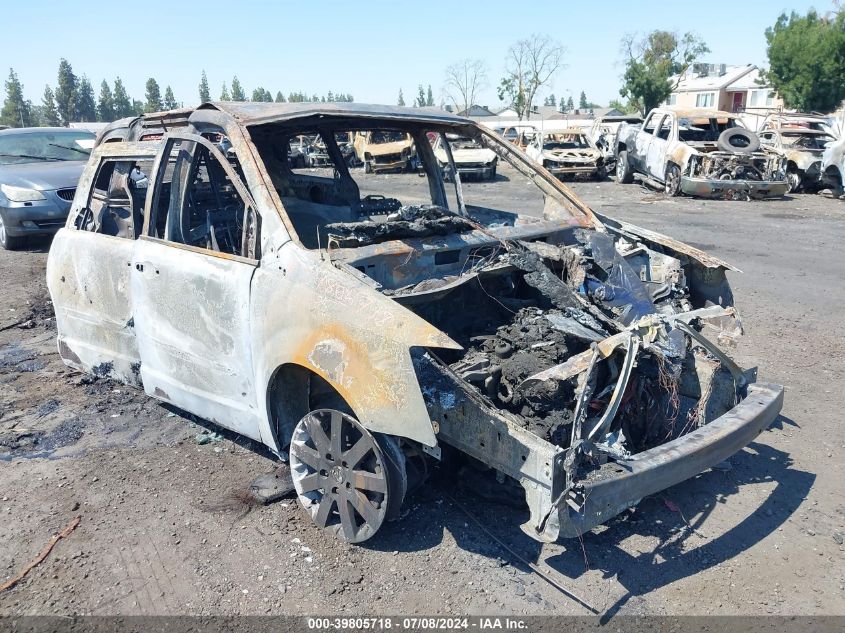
806 141
703 130
340 189
564 141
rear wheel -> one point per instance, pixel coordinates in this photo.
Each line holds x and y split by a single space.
9 242
672 181
348 479
624 174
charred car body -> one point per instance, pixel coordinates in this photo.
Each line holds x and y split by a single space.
384 150
802 149
833 166
567 153
361 332
470 158
698 153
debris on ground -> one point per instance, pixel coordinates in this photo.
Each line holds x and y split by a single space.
70 527
207 437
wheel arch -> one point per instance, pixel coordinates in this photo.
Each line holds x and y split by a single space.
293 391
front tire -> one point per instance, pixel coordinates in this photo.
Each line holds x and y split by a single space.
624 174
348 480
9 242
672 181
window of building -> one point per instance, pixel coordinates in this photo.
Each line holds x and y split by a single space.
761 98
705 99
672 100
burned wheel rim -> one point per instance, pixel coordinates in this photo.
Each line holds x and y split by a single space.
673 181
794 181
340 474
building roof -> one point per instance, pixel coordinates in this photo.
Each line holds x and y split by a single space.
693 81
748 81
476 110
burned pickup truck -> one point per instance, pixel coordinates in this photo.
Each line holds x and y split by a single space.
360 325
704 153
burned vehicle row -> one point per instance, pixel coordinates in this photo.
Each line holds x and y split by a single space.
698 153
567 153
360 326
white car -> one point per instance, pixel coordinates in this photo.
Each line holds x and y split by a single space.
471 159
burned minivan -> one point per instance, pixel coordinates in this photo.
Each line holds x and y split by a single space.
360 323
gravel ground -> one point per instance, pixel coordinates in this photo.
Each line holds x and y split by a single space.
165 528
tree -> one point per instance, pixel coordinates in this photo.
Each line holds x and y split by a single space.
237 91
429 97
105 106
625 108
280 98
66 92
464 81
49 113
570 105
123 106
169 100
653 61
551 100
583 104
807 60
137 107
420 100
224 93
86 102
205 93
401 100
260 94
530 64
16 110
152 96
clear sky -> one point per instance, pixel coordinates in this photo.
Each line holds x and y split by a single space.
369 49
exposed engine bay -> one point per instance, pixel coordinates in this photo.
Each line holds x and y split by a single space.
595 338
737 166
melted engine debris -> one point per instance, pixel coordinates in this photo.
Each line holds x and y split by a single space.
412 221
554 305
497 365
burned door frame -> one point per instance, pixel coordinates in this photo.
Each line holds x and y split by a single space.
91 296
192 309
655 156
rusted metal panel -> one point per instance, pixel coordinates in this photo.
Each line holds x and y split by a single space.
307 312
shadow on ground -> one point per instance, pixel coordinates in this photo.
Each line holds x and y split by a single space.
683 548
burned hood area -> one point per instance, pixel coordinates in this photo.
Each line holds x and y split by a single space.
583 337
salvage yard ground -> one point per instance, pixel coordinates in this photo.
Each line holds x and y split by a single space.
165 528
